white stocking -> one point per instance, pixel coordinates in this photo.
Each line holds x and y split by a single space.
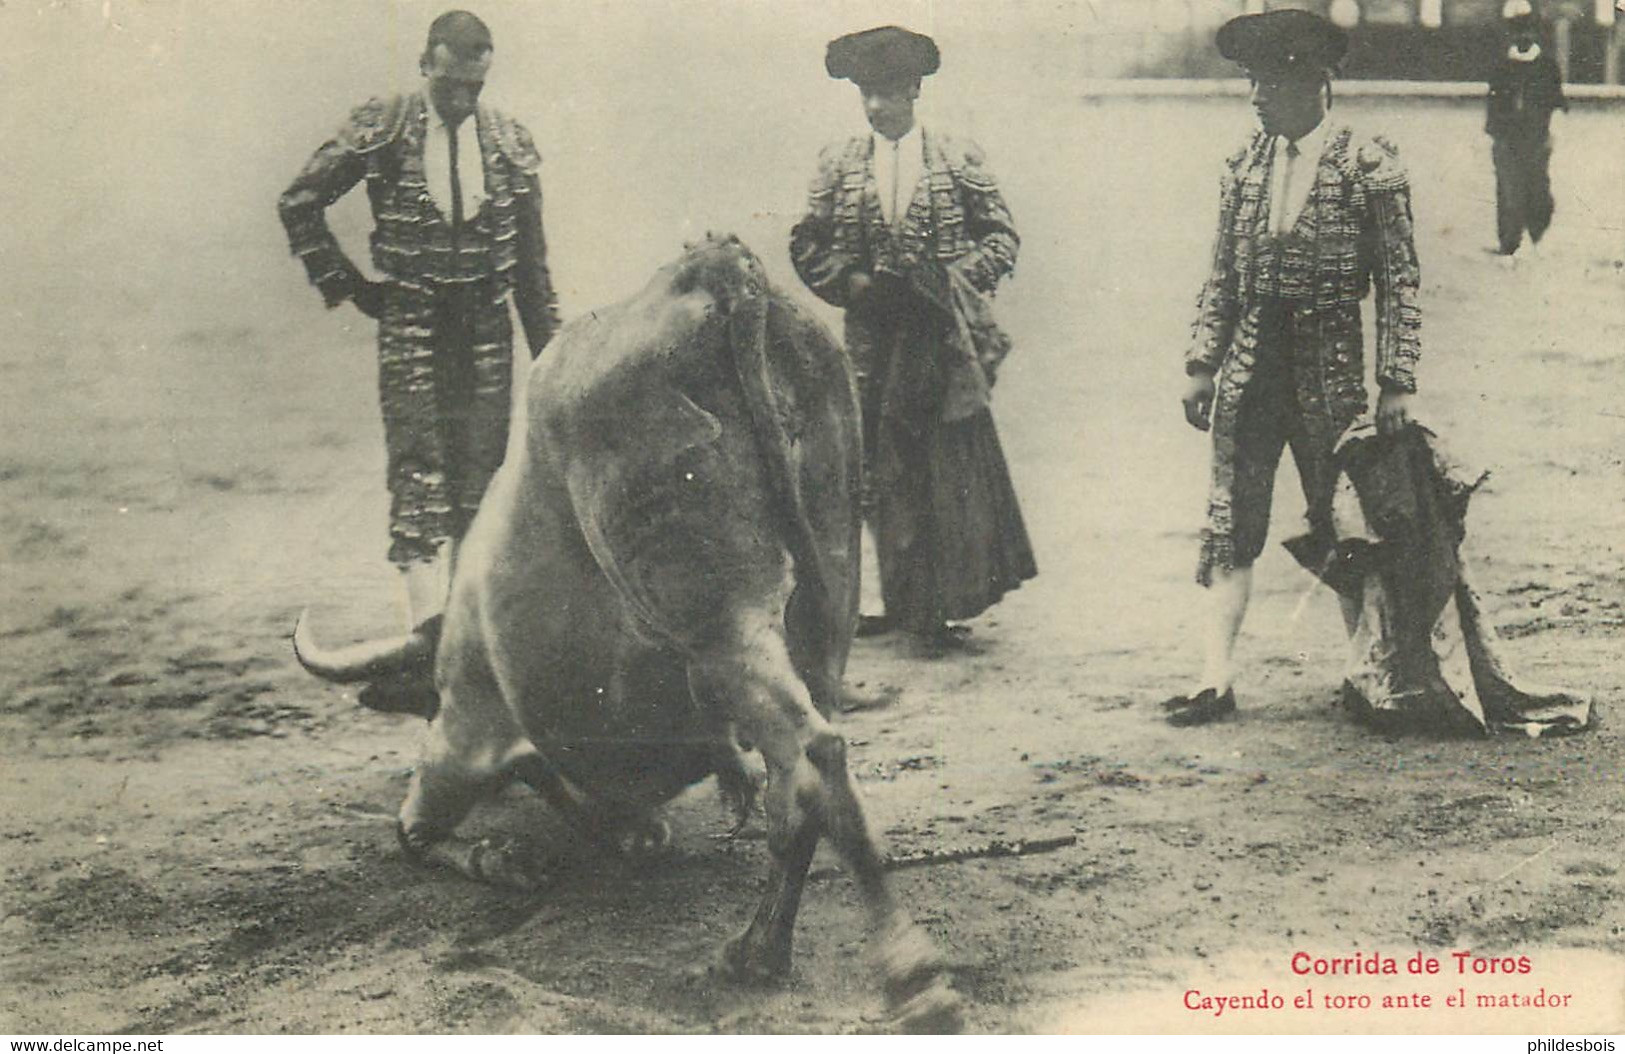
425 591
1228 597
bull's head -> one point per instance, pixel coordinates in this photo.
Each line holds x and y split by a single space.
724 267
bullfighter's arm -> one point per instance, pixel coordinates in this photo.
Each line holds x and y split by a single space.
825 271
332 171
987 222
1218 306
1395 272
533 294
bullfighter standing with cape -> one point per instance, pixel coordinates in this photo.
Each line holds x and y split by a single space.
906 230
1312 218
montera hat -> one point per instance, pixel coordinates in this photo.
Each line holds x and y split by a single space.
1284 41
887 53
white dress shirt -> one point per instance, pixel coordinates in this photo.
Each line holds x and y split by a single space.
470 165
1292 176
898 166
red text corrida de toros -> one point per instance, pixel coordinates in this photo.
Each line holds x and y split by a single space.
1373 964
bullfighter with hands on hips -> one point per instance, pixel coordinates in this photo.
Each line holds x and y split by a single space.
455 194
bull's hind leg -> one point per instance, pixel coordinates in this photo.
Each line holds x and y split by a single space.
738 785
809 794
628 831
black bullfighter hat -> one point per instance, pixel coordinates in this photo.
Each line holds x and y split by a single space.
1284 41
887 53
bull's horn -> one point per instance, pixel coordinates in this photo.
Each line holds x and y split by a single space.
367 661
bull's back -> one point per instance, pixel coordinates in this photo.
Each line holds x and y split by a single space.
706 455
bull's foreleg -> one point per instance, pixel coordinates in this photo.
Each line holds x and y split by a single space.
438 800
761 955
911 970
459 767
810 793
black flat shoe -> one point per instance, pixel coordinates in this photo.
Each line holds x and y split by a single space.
946 639
1180 702
1203 708
1174 702
874 625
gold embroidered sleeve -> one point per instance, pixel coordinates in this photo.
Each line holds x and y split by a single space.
331 172
534 296
1218 306
812 241
1395 272
988 223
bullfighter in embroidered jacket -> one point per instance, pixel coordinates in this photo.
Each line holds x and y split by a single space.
1312 219
457 203
906 230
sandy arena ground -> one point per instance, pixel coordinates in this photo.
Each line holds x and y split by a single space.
197 836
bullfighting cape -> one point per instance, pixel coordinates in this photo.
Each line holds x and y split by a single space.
1424 655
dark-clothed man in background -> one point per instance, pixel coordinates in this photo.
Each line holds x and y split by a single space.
907 231
455 194
1311 218
1525 89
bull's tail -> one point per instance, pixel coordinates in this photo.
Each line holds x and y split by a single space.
756 322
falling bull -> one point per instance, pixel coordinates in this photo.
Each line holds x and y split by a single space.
664 568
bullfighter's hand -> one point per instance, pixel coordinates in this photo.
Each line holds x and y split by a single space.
1198 400
1393 411
369 298
857 287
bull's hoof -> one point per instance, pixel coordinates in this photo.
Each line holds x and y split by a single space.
915 983
746 963
641 838
934 1011
492 865
852 700
499 866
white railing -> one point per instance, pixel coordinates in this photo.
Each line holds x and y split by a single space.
1175 87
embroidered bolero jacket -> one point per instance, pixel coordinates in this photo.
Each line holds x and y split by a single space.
382 143
1354 235
956 217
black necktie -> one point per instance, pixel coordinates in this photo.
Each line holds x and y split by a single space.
456 192
1284 221
896 177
